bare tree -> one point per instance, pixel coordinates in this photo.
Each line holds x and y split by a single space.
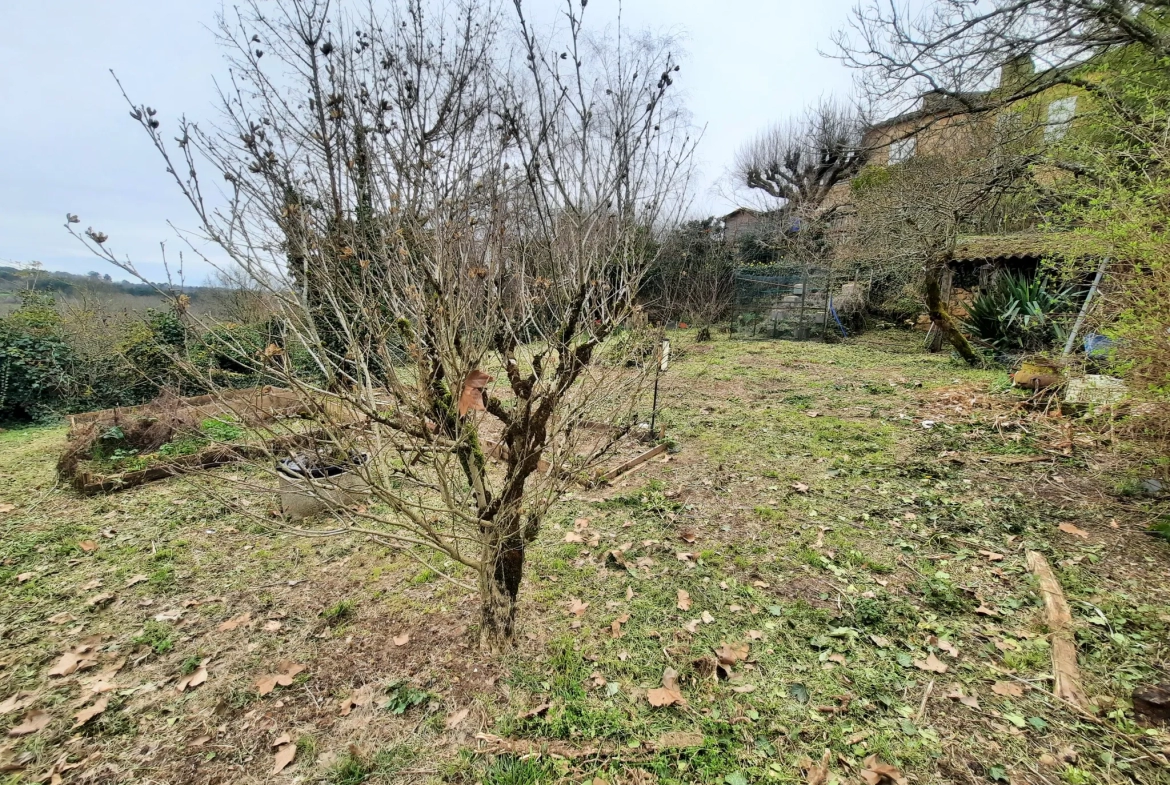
909 217
800 161
693 278
957 49
428 214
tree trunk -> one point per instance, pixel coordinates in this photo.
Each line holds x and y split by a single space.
943 322
499 590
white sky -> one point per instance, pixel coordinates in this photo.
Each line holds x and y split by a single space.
68 145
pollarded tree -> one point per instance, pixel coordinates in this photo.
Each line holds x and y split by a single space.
452 235
799 162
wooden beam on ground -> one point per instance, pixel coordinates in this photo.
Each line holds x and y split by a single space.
1066 680
630 464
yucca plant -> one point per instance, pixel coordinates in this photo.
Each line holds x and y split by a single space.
1018 314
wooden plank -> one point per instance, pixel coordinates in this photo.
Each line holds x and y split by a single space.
1065 676
630 464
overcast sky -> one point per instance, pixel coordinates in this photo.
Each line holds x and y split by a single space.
68 145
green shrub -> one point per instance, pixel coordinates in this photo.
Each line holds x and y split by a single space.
1017 314
35 361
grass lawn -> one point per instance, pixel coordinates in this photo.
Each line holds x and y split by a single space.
831 559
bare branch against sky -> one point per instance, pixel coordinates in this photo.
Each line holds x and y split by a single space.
70 146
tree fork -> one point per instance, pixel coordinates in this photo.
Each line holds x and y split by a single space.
942 318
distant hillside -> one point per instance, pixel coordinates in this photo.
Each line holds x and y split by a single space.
115 294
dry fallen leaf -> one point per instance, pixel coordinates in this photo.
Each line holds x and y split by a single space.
473 395
24 577
970 701
456 718
64 617
992 555
1069 528
284 756
800 487
573 537
755 635
684 600
137 579
668 694
89 546
818 774
5 508
576 607
99 599
90 585
15 702
283 678
688 536
879 641
541 709
931 663
272 626
360 697
34 721
708 618
664 696
692 626
87 714
858 737
193 679
67 664
234 623
199 742
878 773
281 740
402 640
1008 689
731 653
983 610
615 627
948 647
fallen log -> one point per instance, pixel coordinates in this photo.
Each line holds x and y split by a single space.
1066 680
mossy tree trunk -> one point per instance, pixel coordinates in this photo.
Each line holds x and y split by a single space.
941 317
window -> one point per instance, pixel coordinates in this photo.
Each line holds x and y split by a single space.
1060 115
902 149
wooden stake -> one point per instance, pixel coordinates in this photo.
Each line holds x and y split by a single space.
1066 680
632 463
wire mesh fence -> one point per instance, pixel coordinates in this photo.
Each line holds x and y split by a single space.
797 302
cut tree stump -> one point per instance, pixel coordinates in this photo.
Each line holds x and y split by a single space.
1066 680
